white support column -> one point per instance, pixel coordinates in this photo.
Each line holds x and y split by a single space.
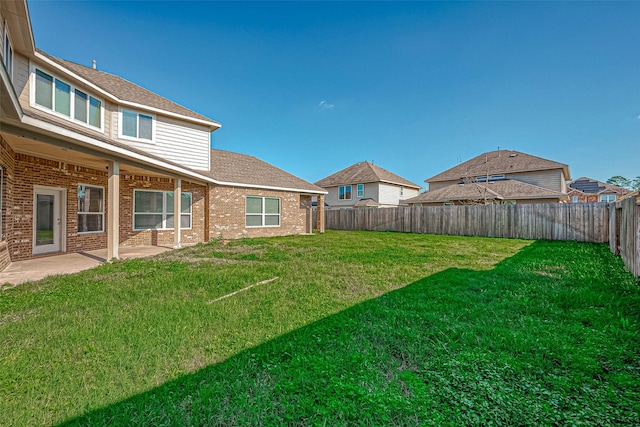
177 205
113 209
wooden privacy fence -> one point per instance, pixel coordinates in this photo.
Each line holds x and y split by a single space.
584 222
624 233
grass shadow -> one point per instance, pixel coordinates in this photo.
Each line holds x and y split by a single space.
544 338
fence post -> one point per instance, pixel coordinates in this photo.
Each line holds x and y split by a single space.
320 225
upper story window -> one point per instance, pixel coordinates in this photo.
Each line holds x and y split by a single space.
66 100
344 192
136 125
574 199
402 191
360 190
608 198
483 178
7 53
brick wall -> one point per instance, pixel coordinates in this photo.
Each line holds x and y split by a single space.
30 171
226 207
227 213
582 197
7 161
130 237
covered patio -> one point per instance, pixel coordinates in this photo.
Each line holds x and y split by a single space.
38 268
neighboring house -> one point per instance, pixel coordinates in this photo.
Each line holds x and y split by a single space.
366 185
502 176
89 160
590 190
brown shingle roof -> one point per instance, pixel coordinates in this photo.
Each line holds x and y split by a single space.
366 203
125 90
243 169
502 190
498 162
362 173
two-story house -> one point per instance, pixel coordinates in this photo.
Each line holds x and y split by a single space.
89 160
502 176
584 189
366 185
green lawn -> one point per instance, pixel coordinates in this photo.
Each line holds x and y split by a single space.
345 328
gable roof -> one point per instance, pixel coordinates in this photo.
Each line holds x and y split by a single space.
507 189
125 90
366 203
498 162
362 173
592 186
235 168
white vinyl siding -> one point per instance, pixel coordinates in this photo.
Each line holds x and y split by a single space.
391 194
551 179
181 142
21 74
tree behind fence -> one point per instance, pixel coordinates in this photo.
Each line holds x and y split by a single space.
584 222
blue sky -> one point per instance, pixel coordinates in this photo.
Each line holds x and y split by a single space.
416 87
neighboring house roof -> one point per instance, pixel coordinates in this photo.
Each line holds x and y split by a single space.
507 189
366 203
362 173
124 90
498 162
593 186
234 168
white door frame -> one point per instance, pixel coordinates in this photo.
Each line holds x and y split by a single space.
59 222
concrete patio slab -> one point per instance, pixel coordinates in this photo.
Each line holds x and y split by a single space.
39 268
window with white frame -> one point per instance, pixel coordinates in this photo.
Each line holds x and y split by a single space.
574 199
90 209
262 211
66 100
153 210
7 54
360 190
136 125
344 192
402 191
608 198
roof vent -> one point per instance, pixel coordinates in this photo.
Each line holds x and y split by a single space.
94 64
512 155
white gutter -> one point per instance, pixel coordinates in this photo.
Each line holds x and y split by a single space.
103 146
115 99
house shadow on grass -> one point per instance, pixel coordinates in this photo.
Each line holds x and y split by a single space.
518 345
